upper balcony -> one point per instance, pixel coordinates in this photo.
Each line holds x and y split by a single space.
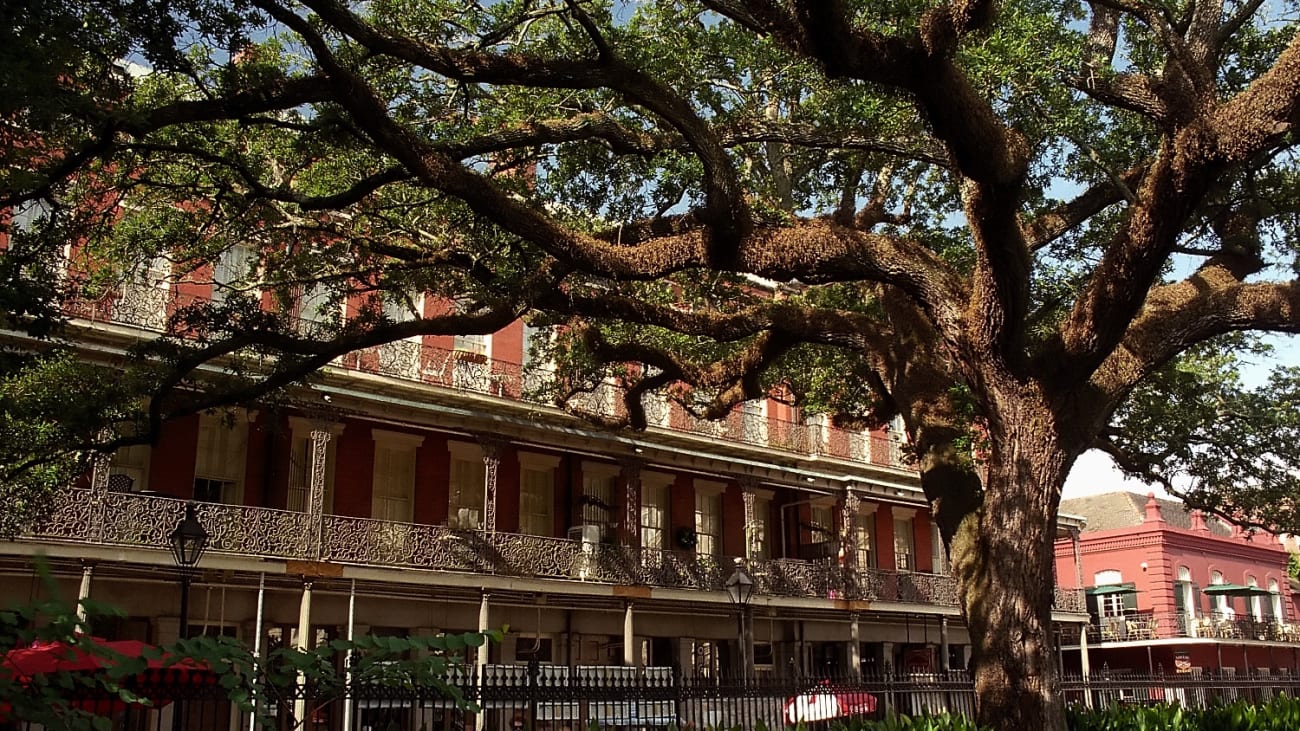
479 375
114 519
1146 627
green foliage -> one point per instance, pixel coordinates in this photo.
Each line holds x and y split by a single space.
1281 713
52 699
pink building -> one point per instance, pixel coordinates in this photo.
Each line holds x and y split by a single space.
1173 590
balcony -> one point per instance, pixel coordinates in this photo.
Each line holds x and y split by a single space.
1147 626
474 373
117 519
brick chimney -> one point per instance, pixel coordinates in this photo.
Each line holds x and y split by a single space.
1198 522
1153 514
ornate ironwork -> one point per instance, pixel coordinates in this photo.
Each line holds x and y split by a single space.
141 304
848 533
1069 600
753 536
320 440
492 465
400 359
632 502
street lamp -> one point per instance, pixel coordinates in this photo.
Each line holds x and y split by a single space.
740 589
188 541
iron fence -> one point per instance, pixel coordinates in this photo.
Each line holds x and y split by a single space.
550 698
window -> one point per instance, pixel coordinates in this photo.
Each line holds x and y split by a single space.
465 494
654 515
474 344
754 421
1256 603
708 519
300 453
904 545
129 469
532 647
822 523
865 538
318 305
231 271
219 464
394 483
1275 601
938 551
1219 603
598 485
537 501
1184 596
761 529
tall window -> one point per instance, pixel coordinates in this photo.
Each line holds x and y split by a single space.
761 530
1184 595
1256 605
1275 601
654 515
822 528
937 550
473 344
708 520
537 500
754 421
465 493
231 271
598 485
1110 605
1219 602
219 464
143 297
904 545
300 465
394 476
318 305
865 539
129 470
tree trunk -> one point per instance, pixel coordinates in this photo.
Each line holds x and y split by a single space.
1003 559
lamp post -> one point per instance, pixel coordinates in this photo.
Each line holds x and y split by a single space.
740 589
188 541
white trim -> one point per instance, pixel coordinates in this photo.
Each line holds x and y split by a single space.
535 461
709 487
658 479
395 439
465 450
302 426
600 470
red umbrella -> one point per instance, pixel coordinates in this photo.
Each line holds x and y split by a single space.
23 664
824 703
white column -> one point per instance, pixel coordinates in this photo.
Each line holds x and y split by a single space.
257 643
84 592
943 644
855 646
347 661
481 660
483 626
304 644
629 638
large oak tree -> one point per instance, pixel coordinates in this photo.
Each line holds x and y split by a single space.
997 221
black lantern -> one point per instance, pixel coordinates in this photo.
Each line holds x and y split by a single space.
740 588
188 540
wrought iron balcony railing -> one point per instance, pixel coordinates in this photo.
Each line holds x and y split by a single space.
1147 626
145 308
90 516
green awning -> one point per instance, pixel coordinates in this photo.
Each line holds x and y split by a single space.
1234 590
1110 589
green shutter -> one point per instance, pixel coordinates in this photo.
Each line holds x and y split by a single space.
1130 600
